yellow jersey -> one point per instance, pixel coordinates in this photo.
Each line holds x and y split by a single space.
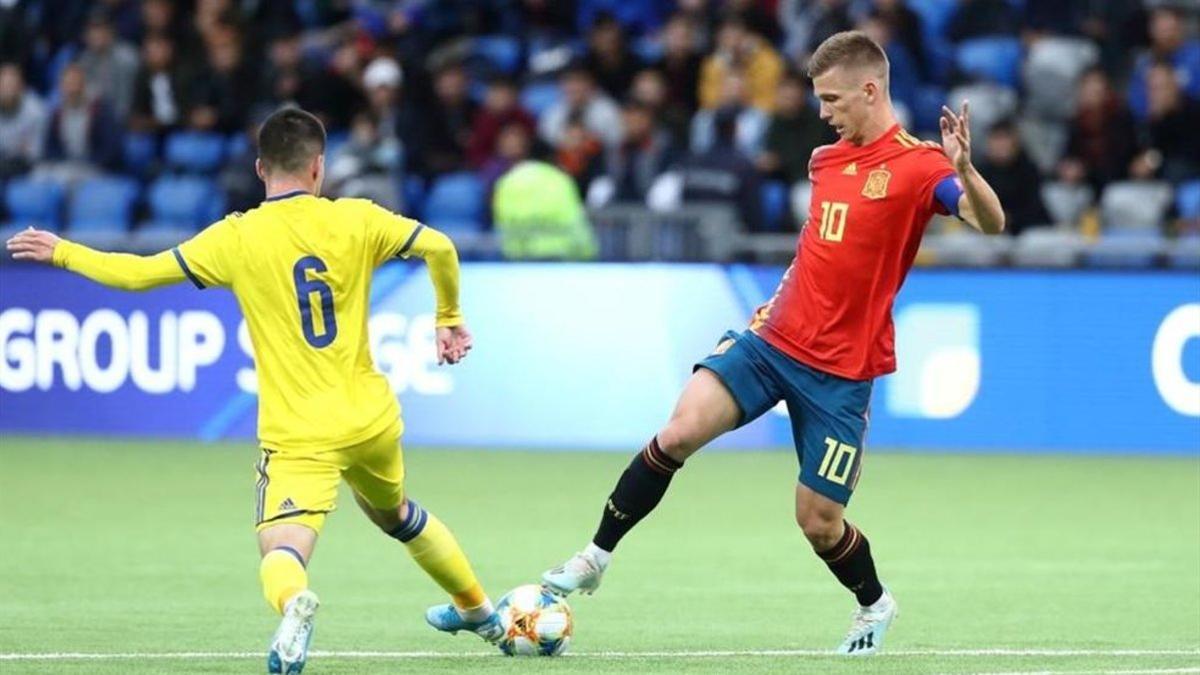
300 267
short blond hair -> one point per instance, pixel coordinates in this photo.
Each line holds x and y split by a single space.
852 49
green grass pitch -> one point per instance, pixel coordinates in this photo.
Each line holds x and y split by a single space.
1000 564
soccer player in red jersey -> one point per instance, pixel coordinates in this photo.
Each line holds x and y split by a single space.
827 333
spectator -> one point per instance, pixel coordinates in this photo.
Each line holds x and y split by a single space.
284 79
396 118
367 165
744 53
608 57
539 215
724 174
82 135
547 19
650 88
501 107
22 123
903 75
125 17
158 92
335 93
905 27
750 125
645 154
217 98
981 18
1169 43
513 146
161 16
448 124
1171 147
581 99
827 17
1014 177
702 16
795 130
681 65
1102 141
755 18
110 66
580 154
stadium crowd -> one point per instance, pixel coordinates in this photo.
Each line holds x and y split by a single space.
134 115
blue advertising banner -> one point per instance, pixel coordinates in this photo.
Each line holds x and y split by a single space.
593 356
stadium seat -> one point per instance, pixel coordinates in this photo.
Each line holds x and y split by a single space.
964 248
1125 248
1187 200
1047 247
103 204
774 198
996 59
800 197
1135 205
183 202
195 152
413 189
141 151
648 48
236 144
502 52
1184 253
1066 202
927 108
455 202
1044 140
990 103
34 203
538 97
1053 66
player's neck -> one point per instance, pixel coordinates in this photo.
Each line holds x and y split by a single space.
278 188
873 130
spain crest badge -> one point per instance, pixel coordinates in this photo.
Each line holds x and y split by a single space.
877 183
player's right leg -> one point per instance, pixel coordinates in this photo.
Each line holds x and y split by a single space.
375 470
725 391
294 492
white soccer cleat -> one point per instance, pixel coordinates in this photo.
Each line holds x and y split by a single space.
289 647
581 573
869 627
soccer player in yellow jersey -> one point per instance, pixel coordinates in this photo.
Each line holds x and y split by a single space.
300 266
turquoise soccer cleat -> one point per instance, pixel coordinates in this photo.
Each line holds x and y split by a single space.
869 627
447 619
581 573
289 647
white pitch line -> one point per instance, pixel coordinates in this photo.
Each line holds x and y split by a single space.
998 651
1140 671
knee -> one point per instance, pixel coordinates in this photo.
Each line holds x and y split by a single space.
679 438
822 529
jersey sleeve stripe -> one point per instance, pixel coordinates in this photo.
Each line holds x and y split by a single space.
187 270
411 238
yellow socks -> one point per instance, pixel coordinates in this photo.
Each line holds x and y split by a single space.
283 576
434 548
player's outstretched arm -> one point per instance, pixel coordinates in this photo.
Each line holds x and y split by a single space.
119 270
979 205
453 338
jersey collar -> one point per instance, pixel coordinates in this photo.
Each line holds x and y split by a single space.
287 195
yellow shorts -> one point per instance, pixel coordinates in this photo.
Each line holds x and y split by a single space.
300 487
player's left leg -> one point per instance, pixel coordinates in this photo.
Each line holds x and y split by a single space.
294 492
829 420
376 474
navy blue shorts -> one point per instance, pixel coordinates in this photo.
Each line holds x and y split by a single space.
829 413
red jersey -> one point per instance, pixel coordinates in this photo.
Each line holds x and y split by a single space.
870 205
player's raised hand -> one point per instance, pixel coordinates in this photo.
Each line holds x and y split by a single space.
34 245
956 136
453 343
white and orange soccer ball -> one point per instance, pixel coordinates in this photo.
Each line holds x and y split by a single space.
536 622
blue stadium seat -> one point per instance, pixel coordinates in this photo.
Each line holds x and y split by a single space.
539 96
141 150
1184 253
927 108
236 144
414 196
195 152
103 204
935 17
33 203
1126 248
184 202
501 51
1187 199
996 58
455 202
774 196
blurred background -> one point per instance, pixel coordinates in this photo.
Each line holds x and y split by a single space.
647 129
636 133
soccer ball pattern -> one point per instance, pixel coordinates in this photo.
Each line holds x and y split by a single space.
536 622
